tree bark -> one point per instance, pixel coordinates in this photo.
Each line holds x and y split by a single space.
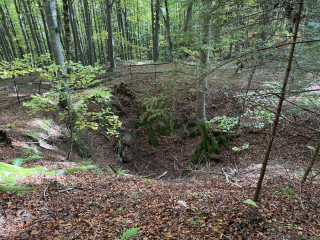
23 28
32 29
8 32
280 103
168 31
51 15
156 32
110 37
313 160
43 17
88 23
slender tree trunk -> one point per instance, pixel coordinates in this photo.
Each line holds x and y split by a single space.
97 33
280 103
23 28
152 23
43 17
313 160
91 50
32 29
75 34
188 17
8 32
168 31
129 40
35 26
110 37
207 144
121 30
67 32
156 32
16 39
204 59
5 47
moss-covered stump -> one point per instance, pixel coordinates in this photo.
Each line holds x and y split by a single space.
206 148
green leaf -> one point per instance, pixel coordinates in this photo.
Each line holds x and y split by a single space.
251 202
129 233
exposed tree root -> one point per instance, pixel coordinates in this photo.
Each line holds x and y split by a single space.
207 146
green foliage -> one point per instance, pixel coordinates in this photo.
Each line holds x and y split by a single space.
129 233
251 202
261 104
207 146
225 123
81 144
238 149
288 191
23 66
159 115
82 115
19 161
9 174
20 190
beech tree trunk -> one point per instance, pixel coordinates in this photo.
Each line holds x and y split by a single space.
156 32
110 37
89 33
168 31
8 32
51 15
23 28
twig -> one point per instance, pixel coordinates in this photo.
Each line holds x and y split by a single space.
65 190
208 172
87 222
149 175
113 169
169 208
44 193
163 174
223 235
233 181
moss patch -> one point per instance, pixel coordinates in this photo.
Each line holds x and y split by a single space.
20 190
71 170
208 145
10 173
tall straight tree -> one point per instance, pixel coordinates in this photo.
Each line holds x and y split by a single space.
156 32
89 33
7 31
44 21
207 144
168 30
23 28
51 15
111 55
32 28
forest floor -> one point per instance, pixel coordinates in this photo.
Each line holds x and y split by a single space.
204 203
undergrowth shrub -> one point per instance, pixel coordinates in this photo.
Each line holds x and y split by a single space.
82 144
160 115
260 105
90 108
23 66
